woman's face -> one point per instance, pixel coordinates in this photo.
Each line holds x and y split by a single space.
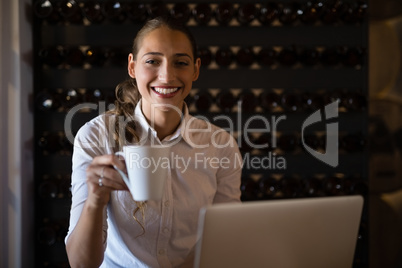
164 69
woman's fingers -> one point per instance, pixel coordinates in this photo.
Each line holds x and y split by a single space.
105 176
109 160
102 178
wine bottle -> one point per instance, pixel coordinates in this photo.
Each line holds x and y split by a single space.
47 235
224 57
225 100
202 13
354 12
264 143
96 56
113 10
249 189
224 13
66 146
246 13
137 12
93 96
268 13
291 186
267 57
338 95
269 187
202 101
312 141
51 56
157 9
312 101
71 97
331 56
288 142
71 11
47 101
288 57
288 13
310 57
270 100
74 57
355 101
117 57
43 8
180 12
245 142
48 143
245 56
291 101
205 55
48 189
93 11
47 10
352 57
333 185
312 187
52 232
331 11
248 101
310 12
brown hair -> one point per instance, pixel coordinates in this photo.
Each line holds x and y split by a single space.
127 96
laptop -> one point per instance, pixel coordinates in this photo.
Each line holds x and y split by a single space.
294 233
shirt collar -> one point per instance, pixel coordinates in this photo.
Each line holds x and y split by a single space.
144 129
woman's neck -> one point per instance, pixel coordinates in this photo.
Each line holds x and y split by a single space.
165 122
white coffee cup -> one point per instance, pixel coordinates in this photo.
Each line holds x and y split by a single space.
147 169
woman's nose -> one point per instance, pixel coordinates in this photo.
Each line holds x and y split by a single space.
166 73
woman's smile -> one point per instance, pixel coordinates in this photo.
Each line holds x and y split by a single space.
166 92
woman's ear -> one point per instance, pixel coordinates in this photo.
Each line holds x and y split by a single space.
196 69
131 65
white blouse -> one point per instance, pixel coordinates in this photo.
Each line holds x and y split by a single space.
205 169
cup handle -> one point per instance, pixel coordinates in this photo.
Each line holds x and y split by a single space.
122 174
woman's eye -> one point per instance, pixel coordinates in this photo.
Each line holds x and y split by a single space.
151 61
182 63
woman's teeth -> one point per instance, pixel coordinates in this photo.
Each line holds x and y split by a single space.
162 90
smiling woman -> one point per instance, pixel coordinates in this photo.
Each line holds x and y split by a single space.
107 227
164 68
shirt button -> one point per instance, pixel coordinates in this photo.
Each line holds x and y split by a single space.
167 203
166 230
162 252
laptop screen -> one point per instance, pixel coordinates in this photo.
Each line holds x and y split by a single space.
305 233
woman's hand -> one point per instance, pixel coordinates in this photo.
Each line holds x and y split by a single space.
102 178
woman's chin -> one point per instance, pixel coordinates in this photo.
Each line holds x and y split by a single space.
168 107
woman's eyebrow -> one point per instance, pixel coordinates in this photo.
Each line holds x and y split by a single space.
182 55
152 53
161 54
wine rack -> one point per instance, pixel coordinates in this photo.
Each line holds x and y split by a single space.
261 61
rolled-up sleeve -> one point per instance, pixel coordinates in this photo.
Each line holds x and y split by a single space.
89 142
